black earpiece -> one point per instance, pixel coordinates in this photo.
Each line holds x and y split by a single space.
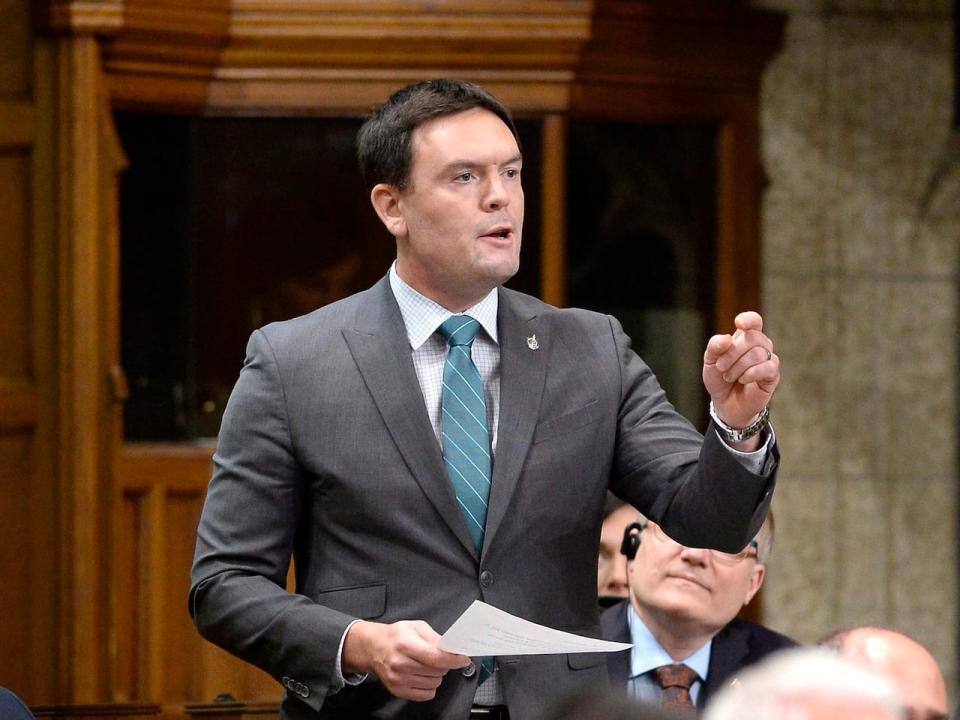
631 540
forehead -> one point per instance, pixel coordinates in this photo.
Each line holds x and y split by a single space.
475 135
620 518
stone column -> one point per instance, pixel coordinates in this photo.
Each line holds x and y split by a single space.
861 229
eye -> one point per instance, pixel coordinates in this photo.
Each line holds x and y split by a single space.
464 177
512 173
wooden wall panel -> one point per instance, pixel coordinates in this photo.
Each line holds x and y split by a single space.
15 48
159 654
29 601
27 593
127 607
180 640
14 289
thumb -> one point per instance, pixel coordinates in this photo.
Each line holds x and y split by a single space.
423 629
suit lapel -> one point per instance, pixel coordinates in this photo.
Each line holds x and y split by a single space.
524 349
726 657
381 350
614 627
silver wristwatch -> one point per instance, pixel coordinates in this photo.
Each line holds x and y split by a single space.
735 435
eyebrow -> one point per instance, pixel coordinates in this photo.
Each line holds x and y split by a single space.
454 164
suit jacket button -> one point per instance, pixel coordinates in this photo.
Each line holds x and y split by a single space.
469 671
486 578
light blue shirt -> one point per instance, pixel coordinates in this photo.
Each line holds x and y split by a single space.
647 654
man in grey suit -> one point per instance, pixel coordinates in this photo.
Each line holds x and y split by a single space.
339 447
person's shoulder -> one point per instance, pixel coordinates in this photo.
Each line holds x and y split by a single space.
318 336
613 619
530 306
331 318
759 636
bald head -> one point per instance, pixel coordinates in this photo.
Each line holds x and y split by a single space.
905 661
806 684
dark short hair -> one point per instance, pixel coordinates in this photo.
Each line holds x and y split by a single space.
384 142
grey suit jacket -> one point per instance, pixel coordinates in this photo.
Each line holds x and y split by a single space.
326 453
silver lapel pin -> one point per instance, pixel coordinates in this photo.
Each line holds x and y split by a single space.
532 343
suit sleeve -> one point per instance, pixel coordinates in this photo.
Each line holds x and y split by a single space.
689 484
245 541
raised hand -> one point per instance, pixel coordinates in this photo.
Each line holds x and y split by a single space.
741 371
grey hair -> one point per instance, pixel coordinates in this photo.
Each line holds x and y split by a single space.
786 684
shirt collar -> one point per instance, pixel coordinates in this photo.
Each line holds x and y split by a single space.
422 316
648 654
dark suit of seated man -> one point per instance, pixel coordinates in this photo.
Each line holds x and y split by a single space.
681 616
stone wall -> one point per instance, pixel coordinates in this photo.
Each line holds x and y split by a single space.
861 228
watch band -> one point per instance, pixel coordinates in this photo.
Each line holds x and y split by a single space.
735 435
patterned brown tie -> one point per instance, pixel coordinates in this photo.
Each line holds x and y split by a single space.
676 680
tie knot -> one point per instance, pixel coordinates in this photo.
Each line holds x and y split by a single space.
459 330
676 675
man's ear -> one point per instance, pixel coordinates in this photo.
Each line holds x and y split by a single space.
756 580
386 201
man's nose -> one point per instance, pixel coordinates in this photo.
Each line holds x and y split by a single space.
696 556
496 195
617 583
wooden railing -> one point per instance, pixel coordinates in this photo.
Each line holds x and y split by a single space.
96 712
231 710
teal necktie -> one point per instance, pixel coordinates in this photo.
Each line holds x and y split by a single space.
465 435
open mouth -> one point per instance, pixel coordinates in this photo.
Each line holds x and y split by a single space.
501 233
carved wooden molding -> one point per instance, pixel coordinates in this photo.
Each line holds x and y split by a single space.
80 17
249 55
684 44
334 56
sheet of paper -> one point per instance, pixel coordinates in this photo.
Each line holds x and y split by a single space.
485 630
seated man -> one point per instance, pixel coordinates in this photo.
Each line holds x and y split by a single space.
611 566
905 661
680 617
